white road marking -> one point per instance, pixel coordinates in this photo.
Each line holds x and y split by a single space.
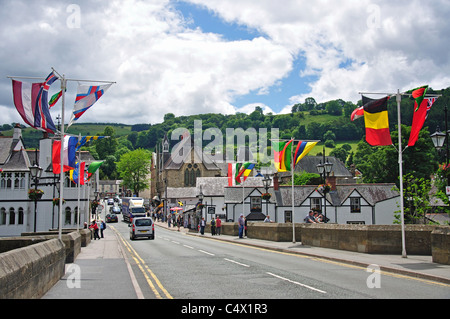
297 283
233 261
205 252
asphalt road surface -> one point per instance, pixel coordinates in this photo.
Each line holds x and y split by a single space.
179 266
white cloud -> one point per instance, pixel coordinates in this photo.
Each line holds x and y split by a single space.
162 63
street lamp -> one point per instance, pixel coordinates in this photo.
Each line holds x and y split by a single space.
438 138
35 172
324 171
267 182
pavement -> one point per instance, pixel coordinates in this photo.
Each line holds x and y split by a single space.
104 259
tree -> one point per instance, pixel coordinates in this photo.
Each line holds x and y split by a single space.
134 168
106 146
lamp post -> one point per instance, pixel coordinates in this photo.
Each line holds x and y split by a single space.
35 172
267 182
439 138
324 171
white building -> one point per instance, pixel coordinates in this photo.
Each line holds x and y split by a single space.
17 211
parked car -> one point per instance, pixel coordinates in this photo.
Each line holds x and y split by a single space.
142 227
111 218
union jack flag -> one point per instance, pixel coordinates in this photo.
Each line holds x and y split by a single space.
42 116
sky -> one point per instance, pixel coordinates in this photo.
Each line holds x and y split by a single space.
221 56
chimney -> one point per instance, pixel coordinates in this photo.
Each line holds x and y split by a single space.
275 182
332 181
17 133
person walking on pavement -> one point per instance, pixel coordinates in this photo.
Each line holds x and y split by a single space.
213 226
218 225
102 228
241 223
202 226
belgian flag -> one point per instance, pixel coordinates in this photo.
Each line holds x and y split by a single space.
376 121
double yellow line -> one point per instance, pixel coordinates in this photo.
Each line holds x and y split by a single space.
146 271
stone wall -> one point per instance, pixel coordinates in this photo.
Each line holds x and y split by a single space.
425 240
440 245
70 238
29 272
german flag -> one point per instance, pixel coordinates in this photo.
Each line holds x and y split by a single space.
376 121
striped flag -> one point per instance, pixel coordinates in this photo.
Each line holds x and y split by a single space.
376 121
282 155
30 100
233 171
86 97
245 171
303 148
69 154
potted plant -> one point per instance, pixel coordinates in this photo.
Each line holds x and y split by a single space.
266 196
35 194
56 201
324 188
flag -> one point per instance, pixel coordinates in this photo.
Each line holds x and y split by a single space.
93 167
77 172
376 121
245 171
233 171
69 154
282 155
419 94
419 118
30 100
85 139
357 113
303 148
25 96
54 99
42 116
86 97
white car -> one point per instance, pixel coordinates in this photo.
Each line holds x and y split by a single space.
142 227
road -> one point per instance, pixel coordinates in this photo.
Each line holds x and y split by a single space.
181 266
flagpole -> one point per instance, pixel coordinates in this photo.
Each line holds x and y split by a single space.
78 186
292 191
61 180
400 166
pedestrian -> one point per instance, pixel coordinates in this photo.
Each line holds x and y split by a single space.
241 223
267 219
218 225
309 219
213 226
102 228
94 227
202 226
245 226
178 222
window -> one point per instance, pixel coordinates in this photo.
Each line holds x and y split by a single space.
316 204
355 205
288 216
3 216
68 216
190 175
12 216
20 221
255 204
